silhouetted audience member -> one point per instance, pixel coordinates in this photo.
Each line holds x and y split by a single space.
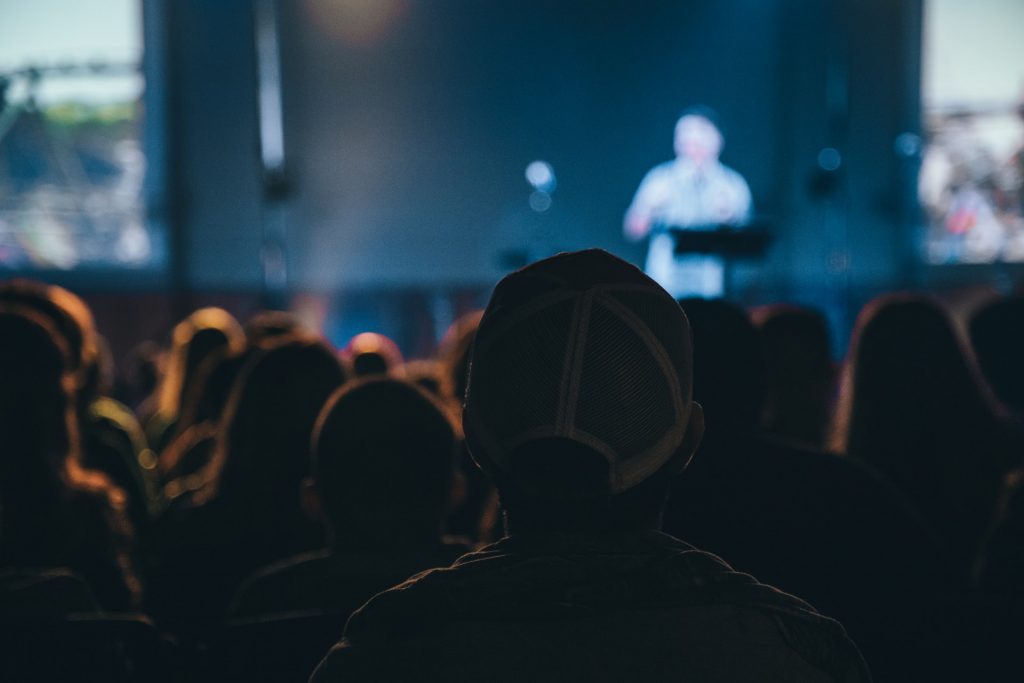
111 440
194 339
247 512
578 404
115 444
370 354
383 461
799 374
189 452
66 313
818 526
57 514
997 334
913 405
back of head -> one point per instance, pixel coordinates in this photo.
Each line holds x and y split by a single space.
262 452
799 373
67 315
196 338
35 394
370 354
997 334
728 366
383 459
907 374
581 357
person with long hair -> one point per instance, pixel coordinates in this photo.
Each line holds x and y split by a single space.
57 513
245 511
112 441
194 339
914 406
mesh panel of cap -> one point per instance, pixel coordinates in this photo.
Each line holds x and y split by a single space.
674 337
624 399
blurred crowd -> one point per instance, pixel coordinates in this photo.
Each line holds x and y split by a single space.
220 507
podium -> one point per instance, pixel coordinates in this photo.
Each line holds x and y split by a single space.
728 242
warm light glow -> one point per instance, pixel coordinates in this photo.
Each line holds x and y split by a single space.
356 22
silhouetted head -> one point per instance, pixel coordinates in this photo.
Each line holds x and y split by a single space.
35 393
262 453
799 373
578 403
910 384
728 367
997 334
39 442
369 354
68 316
383 461
194 339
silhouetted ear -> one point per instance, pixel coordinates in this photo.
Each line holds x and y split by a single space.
691 440
310 500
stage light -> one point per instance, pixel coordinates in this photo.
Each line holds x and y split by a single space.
829 159
541 176
908 145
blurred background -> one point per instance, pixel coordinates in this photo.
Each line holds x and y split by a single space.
379 164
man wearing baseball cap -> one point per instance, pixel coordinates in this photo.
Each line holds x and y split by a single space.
579 407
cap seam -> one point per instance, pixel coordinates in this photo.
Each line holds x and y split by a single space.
574 363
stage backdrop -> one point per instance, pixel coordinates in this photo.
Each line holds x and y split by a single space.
409 125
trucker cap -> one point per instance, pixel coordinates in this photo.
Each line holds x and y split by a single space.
581 346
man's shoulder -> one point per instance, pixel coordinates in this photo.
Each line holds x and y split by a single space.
514 602
649 580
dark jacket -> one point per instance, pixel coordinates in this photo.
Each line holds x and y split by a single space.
337 582
639 607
